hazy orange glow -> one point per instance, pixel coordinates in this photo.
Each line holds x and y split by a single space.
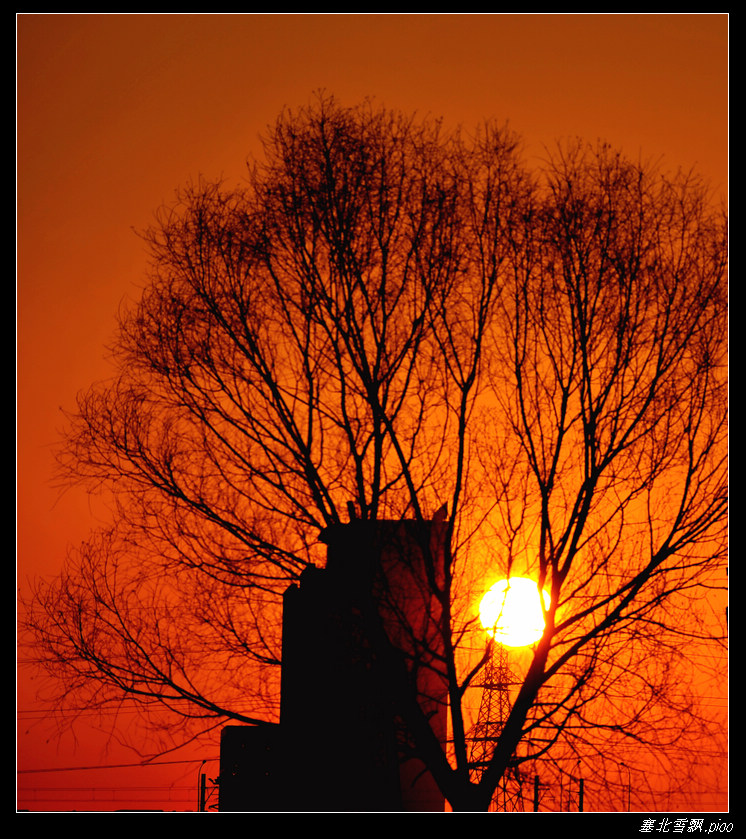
512 613
114 112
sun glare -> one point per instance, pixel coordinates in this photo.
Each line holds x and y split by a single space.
511 612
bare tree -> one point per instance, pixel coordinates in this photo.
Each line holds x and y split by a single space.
393 317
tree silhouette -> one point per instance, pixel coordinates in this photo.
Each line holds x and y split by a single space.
399 319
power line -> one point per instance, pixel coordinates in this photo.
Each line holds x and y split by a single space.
115 766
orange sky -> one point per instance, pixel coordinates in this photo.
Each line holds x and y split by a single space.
114 112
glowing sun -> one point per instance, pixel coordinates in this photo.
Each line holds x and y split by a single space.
511 612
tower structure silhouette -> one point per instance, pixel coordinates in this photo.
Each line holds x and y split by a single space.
494 709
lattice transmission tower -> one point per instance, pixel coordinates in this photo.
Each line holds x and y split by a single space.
494 709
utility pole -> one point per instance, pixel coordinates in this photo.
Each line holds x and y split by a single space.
629 785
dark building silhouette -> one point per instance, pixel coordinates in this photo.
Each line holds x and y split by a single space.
341 744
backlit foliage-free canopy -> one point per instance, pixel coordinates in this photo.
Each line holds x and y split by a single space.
393 316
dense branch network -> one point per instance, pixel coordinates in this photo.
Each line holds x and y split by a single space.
399 319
